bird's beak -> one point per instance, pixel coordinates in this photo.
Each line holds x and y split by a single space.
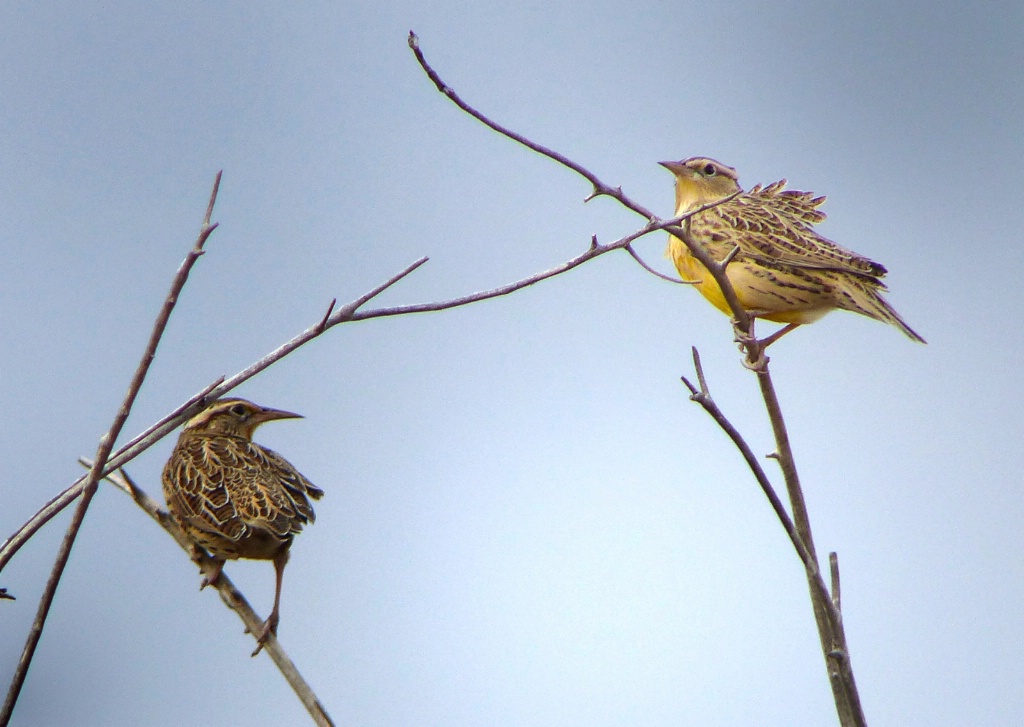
269 415
674 167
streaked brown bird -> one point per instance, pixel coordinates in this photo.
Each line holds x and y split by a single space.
783 270
235 498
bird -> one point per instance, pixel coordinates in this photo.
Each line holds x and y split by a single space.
235 498
782 270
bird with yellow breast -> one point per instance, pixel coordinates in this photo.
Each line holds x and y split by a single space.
782 270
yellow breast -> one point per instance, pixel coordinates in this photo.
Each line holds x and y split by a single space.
760 291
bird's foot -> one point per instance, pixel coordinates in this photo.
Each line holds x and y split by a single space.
759 363
751 348
269 629
754 347
211 578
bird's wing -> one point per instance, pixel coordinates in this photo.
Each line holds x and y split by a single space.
228 486
195 479
298 488
268 492
775 226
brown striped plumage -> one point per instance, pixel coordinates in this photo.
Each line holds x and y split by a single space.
784 271
235 498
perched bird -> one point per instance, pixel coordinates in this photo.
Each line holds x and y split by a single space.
783 271
235 498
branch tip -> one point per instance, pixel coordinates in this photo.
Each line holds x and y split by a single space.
213 197
640 261
700 372
833 567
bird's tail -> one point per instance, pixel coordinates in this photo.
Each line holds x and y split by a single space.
864 296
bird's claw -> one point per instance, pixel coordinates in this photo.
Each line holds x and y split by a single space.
269 629
210 579
751 348
758 365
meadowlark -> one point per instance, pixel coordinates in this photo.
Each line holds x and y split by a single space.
783 271
235 498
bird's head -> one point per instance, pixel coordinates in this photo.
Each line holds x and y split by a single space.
234 418
700 181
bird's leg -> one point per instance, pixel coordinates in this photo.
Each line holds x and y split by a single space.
754 347
769 340
211 578
270 625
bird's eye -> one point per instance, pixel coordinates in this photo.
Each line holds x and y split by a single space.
709 170
238 410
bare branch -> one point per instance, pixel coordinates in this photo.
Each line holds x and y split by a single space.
102 454
230 595
826 607
699 368
349 312
703 397
600 188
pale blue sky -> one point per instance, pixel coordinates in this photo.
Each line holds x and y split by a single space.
526 521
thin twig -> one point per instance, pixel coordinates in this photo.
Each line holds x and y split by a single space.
730 257
600 188
102 454
594 250
640 261
230 595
